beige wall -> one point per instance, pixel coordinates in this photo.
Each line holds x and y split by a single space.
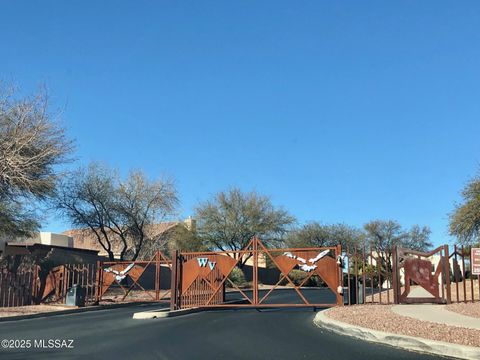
46 238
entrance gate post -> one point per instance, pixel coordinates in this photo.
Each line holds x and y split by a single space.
338 253
174 282
395 279
255 271
446 263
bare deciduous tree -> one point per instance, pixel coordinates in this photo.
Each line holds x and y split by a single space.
16 218
96 200
32 142
142 203
383 235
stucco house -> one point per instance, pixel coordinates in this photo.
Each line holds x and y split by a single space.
86 239
59 248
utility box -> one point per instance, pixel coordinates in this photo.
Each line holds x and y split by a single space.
355 292
361 295
75 296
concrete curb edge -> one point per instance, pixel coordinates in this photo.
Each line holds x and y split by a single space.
400 341
164 313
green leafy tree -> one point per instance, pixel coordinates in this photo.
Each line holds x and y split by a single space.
315 234
231 218
465 219
179 237
183 239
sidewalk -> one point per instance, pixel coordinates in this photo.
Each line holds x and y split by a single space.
420 327
437 314
402 341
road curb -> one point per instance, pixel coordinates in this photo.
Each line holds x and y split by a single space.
400 341
165 313
70 311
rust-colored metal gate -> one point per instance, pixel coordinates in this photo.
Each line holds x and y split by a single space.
429 271
18 288
134 280
305 277
61 278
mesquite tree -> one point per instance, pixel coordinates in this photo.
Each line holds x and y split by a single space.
314 234
231 218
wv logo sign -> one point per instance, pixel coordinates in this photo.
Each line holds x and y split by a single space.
202 262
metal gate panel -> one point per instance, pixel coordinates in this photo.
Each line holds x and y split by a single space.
123 278
199 278
418 269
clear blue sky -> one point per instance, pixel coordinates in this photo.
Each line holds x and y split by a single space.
341 111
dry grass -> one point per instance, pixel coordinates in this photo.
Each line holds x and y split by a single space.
116 296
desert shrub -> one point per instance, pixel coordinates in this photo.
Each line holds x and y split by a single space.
315 280
297 276
237 276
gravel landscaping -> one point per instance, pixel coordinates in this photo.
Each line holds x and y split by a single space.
466 291
469 309
381 318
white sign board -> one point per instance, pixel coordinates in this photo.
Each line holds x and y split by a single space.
476 261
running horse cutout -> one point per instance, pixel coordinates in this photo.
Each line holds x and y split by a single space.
420 272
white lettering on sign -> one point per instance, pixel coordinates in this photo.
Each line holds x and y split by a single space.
202 262
475 261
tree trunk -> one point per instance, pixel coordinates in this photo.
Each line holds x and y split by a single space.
111 256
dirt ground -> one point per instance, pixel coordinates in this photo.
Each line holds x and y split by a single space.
459 292
31 309
380 317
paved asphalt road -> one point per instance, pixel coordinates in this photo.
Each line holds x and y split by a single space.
222 334
288 296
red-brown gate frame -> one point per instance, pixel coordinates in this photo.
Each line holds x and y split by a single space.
187 271
135 273
419 271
